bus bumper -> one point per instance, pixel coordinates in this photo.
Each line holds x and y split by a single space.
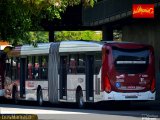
129 96
2 93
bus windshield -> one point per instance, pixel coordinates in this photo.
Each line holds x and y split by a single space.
130 61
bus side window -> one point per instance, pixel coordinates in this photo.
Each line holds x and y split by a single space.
36 68
29 69
40 67
72 64
44 68
98 63
18 68
14 68
8 67
81 63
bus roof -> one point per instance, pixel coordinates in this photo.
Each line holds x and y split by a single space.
65 46
80 46
123 42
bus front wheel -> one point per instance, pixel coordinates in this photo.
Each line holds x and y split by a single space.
39 97
79 99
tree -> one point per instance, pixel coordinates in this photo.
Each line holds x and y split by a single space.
34 38
20 16
42 36
78 35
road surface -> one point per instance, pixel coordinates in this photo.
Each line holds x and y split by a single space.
91 113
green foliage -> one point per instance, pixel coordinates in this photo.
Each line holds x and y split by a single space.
42 37
33 38
20 16
78 35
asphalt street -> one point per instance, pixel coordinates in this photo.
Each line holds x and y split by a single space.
101 111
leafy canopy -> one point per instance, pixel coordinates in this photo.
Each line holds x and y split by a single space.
42 37
17 17
78 35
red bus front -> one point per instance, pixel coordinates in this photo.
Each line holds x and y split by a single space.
128 72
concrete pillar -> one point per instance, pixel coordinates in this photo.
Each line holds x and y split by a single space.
51 36
107 33
147 33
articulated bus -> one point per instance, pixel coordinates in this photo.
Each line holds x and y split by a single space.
80 71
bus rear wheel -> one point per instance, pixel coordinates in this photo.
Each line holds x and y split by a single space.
79 99
39 97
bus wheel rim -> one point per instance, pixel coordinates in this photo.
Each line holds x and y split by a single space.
40 98
81 101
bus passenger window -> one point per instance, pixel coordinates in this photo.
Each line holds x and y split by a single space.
14 71
36 71
72 64
81 64
35 68
8 67
98 63
29 69
44 68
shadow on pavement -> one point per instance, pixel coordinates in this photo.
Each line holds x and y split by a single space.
122 108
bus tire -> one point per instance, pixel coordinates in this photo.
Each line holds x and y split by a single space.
79 99
15 95
39 97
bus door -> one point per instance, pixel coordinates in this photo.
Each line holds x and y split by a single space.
22 76
63 77
89 77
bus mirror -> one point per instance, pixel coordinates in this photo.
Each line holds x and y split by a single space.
107 51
